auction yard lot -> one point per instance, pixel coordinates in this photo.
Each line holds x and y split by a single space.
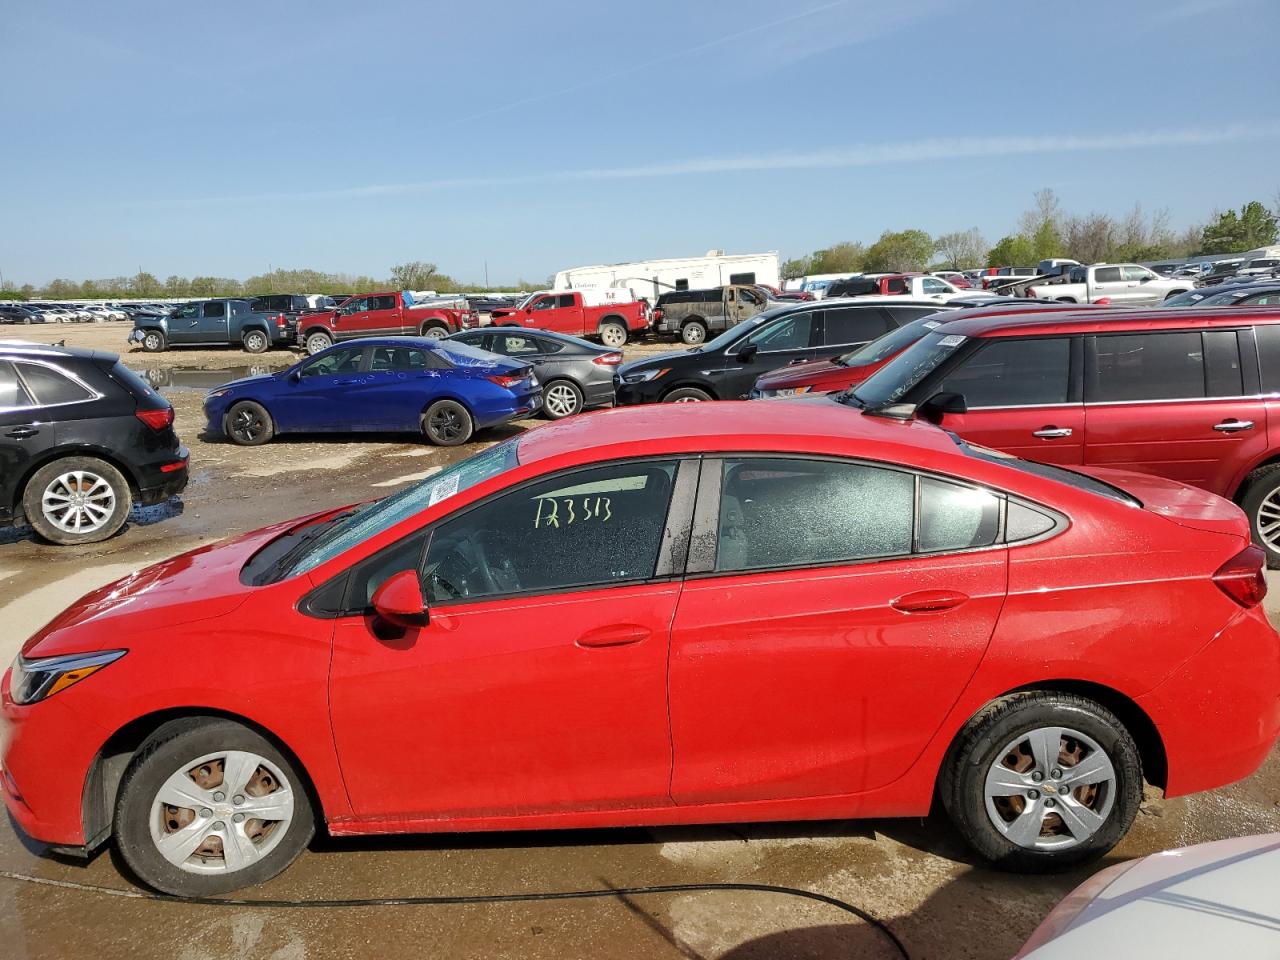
915 875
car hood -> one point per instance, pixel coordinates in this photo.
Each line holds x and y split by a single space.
657 360
816 372
202 584
256 378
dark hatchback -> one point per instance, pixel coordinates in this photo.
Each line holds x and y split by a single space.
726 368
575 374
82 439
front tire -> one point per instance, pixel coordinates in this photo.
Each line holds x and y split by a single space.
447 423
77 500
154 341
248 424
318 341
613 334
207 806
255 341
1040 782
1261 503
687 395
560 399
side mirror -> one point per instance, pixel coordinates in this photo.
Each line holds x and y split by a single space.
747 352
399 601
940 404
295 375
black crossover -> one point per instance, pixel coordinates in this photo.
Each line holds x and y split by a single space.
82 439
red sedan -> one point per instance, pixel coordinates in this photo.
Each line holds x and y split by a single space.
682 614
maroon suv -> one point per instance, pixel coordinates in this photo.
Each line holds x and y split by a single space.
1188 394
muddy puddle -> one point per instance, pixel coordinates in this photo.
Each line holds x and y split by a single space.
197 379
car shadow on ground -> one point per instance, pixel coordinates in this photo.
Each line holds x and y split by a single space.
491 435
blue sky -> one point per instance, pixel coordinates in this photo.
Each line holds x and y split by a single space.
226 138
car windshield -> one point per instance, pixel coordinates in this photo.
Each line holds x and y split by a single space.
1202 298
882 348
373 518
528 300
896 378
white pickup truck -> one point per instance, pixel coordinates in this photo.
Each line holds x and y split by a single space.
1122 284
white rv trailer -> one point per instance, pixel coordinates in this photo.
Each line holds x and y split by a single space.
649 279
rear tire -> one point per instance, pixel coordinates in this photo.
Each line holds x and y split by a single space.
693 333
248 424
318 341
434 331
687 395
1009 789
255 341
1261 503
77 500
613 334
183 758
154 341
447 424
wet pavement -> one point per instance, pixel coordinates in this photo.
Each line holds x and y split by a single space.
913 874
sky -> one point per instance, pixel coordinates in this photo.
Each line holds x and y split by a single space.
231 138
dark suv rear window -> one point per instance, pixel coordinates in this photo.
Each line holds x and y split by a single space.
133 382
51 387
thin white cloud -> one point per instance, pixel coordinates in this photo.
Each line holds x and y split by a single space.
1196 8
856 155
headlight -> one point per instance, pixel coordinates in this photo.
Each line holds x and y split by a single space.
644 376
783 392
34 680
216 393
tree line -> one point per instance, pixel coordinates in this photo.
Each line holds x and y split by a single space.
1044 232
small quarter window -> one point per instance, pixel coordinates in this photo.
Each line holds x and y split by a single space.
12 393
956 517
1023 523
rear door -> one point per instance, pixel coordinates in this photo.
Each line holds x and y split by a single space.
1177 404
1110 282
396 387
385 317
1023 396
847 328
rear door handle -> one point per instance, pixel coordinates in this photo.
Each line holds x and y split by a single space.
21 433
1049 433
929 601
614 635
1233 426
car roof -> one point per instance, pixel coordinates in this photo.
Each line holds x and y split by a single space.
533 332
1093 319
24 348
732 425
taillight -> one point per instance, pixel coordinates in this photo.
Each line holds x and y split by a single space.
607 359
280 321
156 419
657 313
1242 578
503 380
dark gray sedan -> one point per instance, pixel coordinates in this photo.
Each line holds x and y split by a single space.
575 374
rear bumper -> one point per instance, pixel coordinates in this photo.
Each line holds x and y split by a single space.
161 481
1219 712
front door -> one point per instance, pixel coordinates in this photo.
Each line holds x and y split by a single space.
212 327
184 323
1177 404
1022 397
323 395
791 338
352 319
539 685
820 649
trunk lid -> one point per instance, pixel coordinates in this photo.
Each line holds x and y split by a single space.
1185 505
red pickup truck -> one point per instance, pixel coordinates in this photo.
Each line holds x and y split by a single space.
381 315
579 313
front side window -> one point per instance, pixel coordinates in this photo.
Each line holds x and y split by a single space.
546 303
1020 371
1132 273
12 393
339 361
356 305
853 325
782 512
788 333
50 387
746 296
591 527
1147 366
188 311
935 286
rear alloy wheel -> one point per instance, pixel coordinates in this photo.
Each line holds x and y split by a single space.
694 332
447 423
318 341
153 341
686 395
1043 781
435 331
77 500
248 424
207 806
613 334
1261 503
255 341
560 399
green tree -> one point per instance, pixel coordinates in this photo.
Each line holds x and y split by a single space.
961 249
897 252
1046 242
414 275
794 269
1254 226
843 257
7 294
1012 251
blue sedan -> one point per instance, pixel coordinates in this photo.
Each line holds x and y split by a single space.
444 390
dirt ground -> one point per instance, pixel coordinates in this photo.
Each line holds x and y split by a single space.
912 874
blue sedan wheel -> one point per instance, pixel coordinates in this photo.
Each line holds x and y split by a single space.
249 424
447 423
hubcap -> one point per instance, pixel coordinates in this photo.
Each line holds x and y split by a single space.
561 400
317 343
255 341
1269 519
221 813
248 424
152 340
1050 789
686 399
446 424
78 502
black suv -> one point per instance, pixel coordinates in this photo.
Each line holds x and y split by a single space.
82 438
727 367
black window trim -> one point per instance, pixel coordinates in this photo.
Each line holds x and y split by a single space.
1249 372
673 548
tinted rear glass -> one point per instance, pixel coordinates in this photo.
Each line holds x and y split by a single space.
1059 474
133 382
50 386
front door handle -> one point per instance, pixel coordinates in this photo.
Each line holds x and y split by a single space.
21 433
614 635
929 601
1051 432
346 383
1233 425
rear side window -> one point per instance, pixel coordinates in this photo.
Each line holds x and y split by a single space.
850 325
1106 275
1147 366
134 383
12 393
566 300
49 387
1021 371
398 359
386 302
215 309
1223 376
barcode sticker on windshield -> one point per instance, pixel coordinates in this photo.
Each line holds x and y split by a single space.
953 340
930 324
443 490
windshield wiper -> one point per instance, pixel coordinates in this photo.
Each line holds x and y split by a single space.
851 398
304 539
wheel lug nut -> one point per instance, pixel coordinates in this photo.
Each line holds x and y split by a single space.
238 818
1033 794
219 797
1037 776
237 799
1050 802
1056 774
219 826
206 812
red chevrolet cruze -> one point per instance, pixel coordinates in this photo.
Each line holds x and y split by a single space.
684 614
